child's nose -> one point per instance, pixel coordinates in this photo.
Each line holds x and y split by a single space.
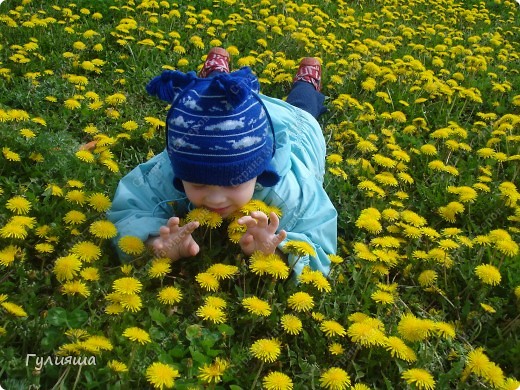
215 195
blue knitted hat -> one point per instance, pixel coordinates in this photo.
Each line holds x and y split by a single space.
219 132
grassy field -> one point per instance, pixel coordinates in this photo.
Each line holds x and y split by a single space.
423 137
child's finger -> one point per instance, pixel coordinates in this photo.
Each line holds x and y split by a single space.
261 218
190 227
164 232
280 237
275 222
173 221
248 221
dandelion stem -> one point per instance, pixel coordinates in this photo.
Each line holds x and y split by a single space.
77 377
257 376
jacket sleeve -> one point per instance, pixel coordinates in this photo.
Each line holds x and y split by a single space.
308 215
141 202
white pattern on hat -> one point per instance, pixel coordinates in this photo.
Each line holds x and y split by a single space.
179 121
181 143
245 142
191 103
229 124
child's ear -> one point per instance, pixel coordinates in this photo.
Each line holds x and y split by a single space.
169 84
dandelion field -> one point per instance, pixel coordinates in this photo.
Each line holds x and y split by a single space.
423 136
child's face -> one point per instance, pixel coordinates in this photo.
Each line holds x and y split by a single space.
222 200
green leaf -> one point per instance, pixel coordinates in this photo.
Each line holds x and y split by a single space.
198 356
77 318
57 316
177 352
157 316
193 332
226 330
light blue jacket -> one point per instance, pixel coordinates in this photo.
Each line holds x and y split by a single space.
142 202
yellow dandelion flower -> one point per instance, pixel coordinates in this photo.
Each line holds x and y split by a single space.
332 328
277 267
127 285
54 190
90 273
207 281
99 202
117 366
42 248
161 375
488 308
131 245
205 217
367 333
72 104
66 267
86 156
76 196
222 271
427 278
103 229
450 211
300 301
335 259
9 254
115 99
169 295
114 309
445 330
334 159
291 324
10 155
212 373
517 292
256 306
14 309
137 334
18 205
86 251
422 379
74 217
75 287
488 274
276 380
336 349
335 378
215 301
211 313
369 224
159 269
12 230
255 205
399 349
412 328
382 297
507 247
131 302
266 350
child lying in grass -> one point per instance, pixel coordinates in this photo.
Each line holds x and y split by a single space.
228 144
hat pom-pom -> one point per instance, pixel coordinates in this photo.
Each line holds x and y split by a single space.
164 86
236 89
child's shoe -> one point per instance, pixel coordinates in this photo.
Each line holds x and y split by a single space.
309 71
216 60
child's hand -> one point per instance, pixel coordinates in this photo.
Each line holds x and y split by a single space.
175 241
260 235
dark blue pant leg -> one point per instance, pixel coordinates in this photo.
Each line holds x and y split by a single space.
304 96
